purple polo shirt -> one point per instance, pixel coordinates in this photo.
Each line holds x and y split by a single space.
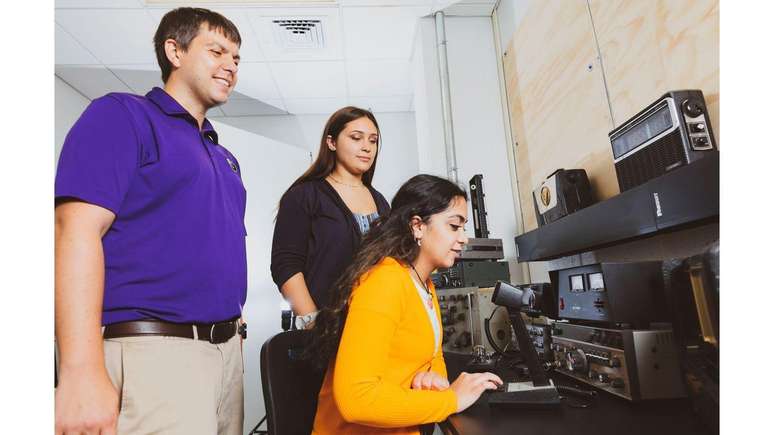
176 250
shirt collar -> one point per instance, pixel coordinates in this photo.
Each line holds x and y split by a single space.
170 106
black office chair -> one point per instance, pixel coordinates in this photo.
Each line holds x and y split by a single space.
291 384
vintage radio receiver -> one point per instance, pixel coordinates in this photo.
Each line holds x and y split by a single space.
463 312
482 249
565 191
624 294
669 133
465 273
633 364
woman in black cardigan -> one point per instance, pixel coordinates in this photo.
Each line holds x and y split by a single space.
325 212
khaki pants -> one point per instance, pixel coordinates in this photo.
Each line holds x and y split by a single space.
171 385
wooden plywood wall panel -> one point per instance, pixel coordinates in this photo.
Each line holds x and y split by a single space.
559 112
651 46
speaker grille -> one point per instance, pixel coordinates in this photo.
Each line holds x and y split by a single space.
654 160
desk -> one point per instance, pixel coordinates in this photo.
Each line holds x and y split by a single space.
608 415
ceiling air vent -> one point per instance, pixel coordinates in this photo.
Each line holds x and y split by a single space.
299 33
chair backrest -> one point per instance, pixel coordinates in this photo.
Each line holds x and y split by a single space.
291 384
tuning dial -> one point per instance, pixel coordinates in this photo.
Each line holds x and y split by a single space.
576 361
445 282
692 108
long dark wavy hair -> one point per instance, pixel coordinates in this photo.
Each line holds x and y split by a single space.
423 196
326 159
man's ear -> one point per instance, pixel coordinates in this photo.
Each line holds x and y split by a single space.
173 52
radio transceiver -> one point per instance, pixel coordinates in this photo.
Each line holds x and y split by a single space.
467 273
633 364
673 131
463 312
539 331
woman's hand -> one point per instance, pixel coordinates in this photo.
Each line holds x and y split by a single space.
469 386
429 381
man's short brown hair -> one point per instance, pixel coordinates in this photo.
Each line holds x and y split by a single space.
182 25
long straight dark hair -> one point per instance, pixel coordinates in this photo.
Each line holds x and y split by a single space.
391 236
326 159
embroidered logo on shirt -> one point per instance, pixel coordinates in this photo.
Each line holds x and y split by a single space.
232 164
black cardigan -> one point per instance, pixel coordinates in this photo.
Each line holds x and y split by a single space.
316 234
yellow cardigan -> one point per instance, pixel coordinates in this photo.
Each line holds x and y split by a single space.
387 339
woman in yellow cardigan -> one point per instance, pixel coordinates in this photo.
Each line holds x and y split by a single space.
381 338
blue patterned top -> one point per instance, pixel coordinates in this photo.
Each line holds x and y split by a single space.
364 221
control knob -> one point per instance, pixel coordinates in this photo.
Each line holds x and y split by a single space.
576 360
692 108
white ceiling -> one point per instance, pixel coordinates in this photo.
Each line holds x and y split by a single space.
106 46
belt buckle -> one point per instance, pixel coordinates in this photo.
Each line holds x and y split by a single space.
223 332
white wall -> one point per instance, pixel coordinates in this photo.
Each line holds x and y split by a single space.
477 115
509 15
427 101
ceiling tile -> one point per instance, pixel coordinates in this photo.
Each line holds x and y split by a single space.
68 51
314 105
255 81
386 2
101 4
91 81
310 79
439 5
140 78
237 107
380 32
383 104
470 9
249 51
266 30
379 77
114 36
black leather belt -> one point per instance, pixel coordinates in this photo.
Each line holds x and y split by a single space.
215 333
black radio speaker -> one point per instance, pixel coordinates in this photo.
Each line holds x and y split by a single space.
671 132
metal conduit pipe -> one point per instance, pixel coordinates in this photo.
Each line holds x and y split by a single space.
443 70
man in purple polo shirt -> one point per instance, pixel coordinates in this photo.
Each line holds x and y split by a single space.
150 245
